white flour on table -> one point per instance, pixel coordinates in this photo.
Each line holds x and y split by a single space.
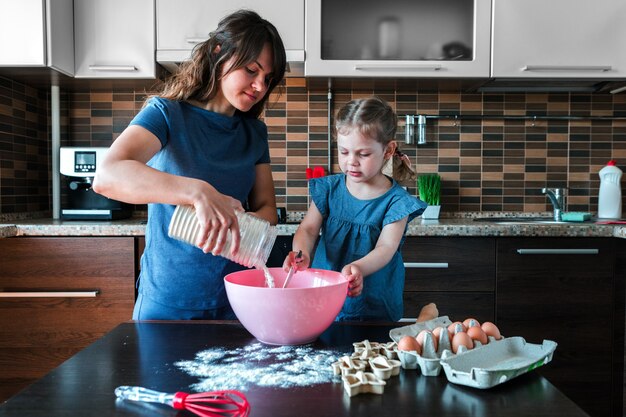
261 365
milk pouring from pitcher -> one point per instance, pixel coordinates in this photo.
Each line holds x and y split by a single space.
610 196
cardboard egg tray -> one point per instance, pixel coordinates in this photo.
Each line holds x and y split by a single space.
484 366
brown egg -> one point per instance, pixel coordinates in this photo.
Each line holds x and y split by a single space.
421 335
468 322
476 333
461 339
409 343
491 330
437 333
452 327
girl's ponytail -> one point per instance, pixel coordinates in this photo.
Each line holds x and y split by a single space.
402 166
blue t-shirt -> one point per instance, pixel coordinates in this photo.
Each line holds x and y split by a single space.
350 230
218 149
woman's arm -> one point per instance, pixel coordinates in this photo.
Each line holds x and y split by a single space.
124 176
262 198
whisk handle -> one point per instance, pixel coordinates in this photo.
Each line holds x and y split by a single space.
143 395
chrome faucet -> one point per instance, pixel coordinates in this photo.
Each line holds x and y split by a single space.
557 198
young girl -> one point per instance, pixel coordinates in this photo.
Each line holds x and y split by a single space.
362 214
200 143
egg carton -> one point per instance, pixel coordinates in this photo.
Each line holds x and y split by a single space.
429 361
496 363
414 329
484 366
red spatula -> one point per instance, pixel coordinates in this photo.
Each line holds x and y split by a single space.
228 403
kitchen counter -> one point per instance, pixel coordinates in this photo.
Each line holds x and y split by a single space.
148 354
442 227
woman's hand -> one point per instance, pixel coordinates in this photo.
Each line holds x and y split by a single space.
217 216
355 279
299 260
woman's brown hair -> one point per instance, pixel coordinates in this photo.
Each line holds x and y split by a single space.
242 35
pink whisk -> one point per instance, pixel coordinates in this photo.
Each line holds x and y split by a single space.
228 403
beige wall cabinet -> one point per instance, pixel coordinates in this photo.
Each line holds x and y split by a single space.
398 38
559 39
182 24
37 33
114 39
58 295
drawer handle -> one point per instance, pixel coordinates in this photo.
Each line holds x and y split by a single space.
45 294
120 68
439 265
558 251
567 68
196 40
391 67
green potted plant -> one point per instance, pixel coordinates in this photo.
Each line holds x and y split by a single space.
429 188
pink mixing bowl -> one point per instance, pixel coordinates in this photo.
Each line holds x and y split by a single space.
294 315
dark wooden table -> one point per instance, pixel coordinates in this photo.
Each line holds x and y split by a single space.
143 354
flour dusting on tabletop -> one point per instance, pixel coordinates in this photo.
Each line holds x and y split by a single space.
261 365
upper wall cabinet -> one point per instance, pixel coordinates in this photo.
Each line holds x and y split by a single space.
37 33
398 38
559 39
182 24
114 38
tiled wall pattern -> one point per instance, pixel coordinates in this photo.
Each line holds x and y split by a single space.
488 164
24 148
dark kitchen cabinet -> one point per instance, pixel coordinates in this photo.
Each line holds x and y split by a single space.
563 289
456 273
620 323
58 295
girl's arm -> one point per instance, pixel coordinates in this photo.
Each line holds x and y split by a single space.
124 176
386 247
262 198
305 237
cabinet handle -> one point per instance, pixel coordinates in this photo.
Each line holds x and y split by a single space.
44 294
375 67
603 68
196 40
439 265
121 68
558 251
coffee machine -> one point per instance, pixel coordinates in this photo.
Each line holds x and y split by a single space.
79 202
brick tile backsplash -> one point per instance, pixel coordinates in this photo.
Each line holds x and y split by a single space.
488 164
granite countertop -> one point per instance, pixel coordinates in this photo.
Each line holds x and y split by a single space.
453 226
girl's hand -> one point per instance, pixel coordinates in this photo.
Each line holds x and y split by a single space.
355 279
299 260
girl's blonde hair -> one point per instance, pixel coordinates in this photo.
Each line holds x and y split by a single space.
242 35
375 119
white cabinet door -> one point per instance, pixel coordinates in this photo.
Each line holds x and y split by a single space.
22 33
398 38
37 33
114 38
559 39
182 24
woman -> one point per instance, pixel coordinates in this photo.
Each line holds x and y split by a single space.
200 143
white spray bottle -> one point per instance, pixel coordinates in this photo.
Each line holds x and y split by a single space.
610 196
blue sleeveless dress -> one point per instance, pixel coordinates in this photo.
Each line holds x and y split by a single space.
350 230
